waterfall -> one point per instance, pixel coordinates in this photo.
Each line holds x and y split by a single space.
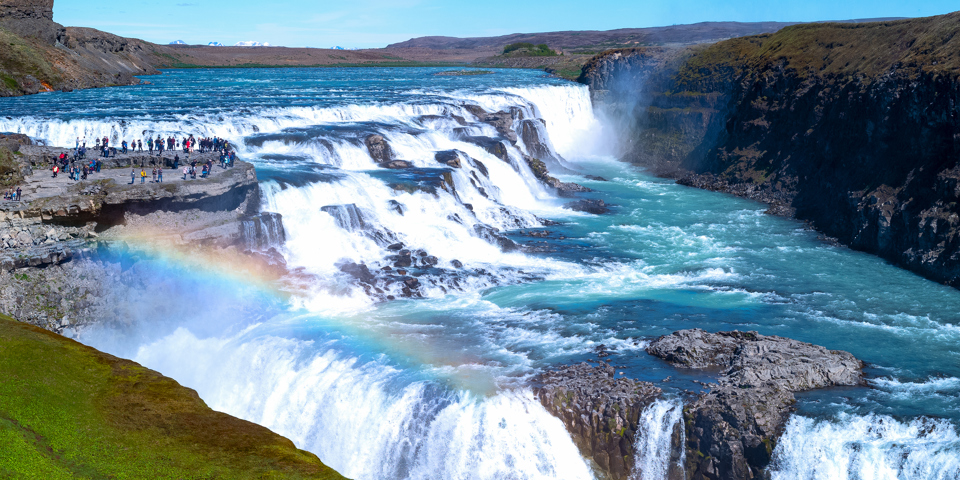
870 447
366 419
263 231
659 443
347 217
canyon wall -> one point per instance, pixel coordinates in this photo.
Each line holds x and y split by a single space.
41 55
854 128
31 18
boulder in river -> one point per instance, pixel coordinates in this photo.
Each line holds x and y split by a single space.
732 429
449 158
378 148
594 206
396 164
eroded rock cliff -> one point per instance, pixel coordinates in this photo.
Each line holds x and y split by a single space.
41 55
852 127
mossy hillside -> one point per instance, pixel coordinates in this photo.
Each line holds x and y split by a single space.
525 49
70 411
20 57
9 168
861 52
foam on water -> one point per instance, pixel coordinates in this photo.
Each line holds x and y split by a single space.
366 419
868 447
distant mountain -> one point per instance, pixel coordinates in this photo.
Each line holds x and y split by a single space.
177 42
704 32
251 44
214 44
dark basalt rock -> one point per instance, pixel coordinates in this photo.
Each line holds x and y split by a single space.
396 164
378 148
863 151
450 158
594 206
539 169
493 146
493 235
601 412
732 430
502 121
13 141
396 206
32 18
359 271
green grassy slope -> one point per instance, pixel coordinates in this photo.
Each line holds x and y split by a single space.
859 52
69 411
20 57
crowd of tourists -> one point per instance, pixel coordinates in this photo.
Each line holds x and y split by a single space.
154 145
13 195
79 167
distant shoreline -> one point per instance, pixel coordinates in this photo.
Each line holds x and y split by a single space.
463 73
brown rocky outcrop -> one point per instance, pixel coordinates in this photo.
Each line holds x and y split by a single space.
378 148
600 410
54 272
732 429
40 55
502 121
31 18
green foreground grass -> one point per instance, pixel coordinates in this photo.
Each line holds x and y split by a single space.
69 411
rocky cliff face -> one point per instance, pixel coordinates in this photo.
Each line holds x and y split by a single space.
31 18
600 410
850 127
728 432
41 55
66 247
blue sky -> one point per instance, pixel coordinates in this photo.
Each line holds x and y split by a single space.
376 23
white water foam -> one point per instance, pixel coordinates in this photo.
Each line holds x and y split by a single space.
368 420
871 447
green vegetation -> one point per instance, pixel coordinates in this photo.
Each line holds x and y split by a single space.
9 82
69 411
864 51
529 50
19 58
571 72
9 169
